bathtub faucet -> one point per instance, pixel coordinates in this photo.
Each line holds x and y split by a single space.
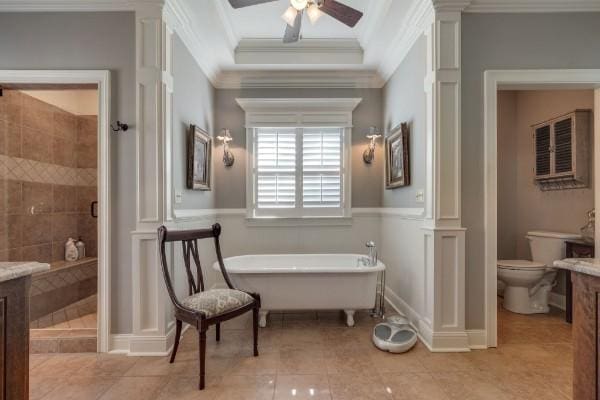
371 259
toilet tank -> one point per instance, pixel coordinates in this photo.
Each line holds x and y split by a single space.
547 247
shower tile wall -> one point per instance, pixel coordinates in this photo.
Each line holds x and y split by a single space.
48 179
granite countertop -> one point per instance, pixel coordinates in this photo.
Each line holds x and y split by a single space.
17 269
588 266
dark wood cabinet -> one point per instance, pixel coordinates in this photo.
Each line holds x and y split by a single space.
14 339
575 249
586 317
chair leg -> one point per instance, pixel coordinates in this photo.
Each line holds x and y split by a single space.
218 332
202 356
255 329
177 337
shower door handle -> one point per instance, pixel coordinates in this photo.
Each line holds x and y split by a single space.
94 209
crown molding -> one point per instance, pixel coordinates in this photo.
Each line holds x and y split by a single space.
232 36
307 51
177 15
76 5
419 16
299 79
532 6
294 105
374 17
451 5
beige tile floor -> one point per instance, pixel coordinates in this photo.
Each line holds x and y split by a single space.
310 356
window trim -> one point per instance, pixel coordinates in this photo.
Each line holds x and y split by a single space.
299 113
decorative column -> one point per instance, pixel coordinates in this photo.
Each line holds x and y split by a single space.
443 325
152 319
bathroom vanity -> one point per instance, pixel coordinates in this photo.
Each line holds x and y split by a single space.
15 281
575 249
585 275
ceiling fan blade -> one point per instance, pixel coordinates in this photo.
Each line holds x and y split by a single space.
292 34
247 3
341 12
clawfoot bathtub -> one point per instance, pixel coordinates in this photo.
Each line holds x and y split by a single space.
307 282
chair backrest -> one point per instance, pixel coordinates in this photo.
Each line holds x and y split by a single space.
189 243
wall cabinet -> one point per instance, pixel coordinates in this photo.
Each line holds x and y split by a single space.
562 151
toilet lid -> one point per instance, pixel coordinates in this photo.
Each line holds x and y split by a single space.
520 264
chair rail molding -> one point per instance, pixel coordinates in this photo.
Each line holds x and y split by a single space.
443 322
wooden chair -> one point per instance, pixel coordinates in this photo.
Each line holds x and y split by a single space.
203 308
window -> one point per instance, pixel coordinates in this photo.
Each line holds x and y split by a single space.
298 172
298 161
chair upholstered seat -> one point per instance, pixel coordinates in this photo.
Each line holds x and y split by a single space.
217 301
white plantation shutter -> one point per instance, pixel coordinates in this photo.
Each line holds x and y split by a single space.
275 168
322 168
298 172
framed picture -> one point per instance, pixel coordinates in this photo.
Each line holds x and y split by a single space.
397 158
199 151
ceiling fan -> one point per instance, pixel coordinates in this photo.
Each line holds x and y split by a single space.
314 9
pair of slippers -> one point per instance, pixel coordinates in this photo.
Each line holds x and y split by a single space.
395 335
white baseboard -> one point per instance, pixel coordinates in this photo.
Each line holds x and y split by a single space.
137 345
477 339
558 300
450 342
416 321
443 342
119 343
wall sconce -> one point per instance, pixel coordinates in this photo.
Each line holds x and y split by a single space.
225 137
369 154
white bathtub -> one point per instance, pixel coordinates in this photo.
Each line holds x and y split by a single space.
306 282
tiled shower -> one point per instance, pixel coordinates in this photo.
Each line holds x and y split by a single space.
48 193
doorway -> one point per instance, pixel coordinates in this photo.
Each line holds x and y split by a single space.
517 80
55 184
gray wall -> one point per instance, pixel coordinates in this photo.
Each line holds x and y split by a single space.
507 41
405 101
193 103
231 182
90 41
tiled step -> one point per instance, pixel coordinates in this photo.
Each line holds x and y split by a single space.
63 341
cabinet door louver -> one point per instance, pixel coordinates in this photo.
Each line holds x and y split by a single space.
276 168
542 151
322 167
563 156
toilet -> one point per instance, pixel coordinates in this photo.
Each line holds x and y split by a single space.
527 284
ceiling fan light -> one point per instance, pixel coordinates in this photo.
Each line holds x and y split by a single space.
289 16
314 13
299 4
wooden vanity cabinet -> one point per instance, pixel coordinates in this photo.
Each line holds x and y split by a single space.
586 325
14 339
575 249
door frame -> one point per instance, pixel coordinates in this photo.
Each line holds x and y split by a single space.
558 79
102 79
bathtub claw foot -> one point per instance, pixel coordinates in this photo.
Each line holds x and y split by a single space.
262 318
349 317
